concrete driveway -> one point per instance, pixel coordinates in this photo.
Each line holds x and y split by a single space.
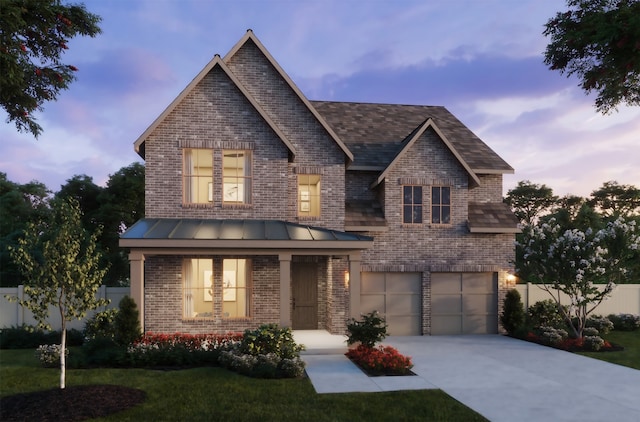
499 377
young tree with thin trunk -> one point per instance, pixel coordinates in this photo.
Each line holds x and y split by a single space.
61 269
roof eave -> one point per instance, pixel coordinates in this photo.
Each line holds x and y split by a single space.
495 230
246 244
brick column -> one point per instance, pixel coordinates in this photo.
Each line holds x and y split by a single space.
136 260
285 289
354 284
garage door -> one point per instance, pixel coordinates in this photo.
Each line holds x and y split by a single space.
464 303
397 297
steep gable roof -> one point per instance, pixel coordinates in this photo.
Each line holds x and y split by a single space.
250 36
415 135
375 133
216 61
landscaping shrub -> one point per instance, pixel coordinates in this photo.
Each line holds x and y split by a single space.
381 360
602 324
127 322
103 351
267 352
101 325
552 336
590 331
545 314
28 337
179 349
49 355
593 343
513 315
625 322
370 330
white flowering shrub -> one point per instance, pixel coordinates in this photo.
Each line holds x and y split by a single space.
553 336
574 262
590 331
593 343
49 355
601 324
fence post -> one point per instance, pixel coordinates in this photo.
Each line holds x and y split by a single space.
20 309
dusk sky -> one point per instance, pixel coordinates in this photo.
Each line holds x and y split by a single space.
481 59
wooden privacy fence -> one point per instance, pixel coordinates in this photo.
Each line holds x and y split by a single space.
625 298
13 315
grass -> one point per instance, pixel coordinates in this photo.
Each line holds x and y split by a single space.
210 394
630 356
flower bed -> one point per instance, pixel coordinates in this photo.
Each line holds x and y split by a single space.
583 344
180 349
381 360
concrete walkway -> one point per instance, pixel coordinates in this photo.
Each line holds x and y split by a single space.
499 377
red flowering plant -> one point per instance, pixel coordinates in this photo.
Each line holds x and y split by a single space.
381 360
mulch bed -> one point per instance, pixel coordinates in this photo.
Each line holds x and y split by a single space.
574 345
76 403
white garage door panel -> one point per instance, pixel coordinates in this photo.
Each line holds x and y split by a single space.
464 303
397 296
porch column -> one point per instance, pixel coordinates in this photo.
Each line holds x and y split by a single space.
354 284
136 261
285 289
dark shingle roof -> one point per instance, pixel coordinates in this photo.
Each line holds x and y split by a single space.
362 213
492 218
375 132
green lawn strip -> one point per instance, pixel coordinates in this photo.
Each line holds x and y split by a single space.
630 356
206 394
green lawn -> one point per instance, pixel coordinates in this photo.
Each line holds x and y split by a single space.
630 356
210 394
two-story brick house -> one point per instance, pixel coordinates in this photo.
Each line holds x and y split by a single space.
263 206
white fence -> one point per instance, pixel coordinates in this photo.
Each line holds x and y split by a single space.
12 314
625 298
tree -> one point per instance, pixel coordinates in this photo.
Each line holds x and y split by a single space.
19 205
573 261
60 263
33 37
86 193
599 41
614 200
121 205
529 201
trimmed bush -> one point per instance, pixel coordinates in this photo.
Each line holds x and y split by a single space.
593 343
371 329
101 325
28 337
127 322
267 352
552 336
513 315
602 324
625 322
545 314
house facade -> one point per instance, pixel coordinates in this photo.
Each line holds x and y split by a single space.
265 207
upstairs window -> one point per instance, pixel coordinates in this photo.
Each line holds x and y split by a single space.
412 204
309 195
441 205
236 173
197 173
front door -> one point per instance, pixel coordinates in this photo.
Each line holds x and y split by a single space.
304 289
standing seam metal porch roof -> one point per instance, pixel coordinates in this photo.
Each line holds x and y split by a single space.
269 233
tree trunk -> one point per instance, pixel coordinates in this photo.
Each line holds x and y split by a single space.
63 353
